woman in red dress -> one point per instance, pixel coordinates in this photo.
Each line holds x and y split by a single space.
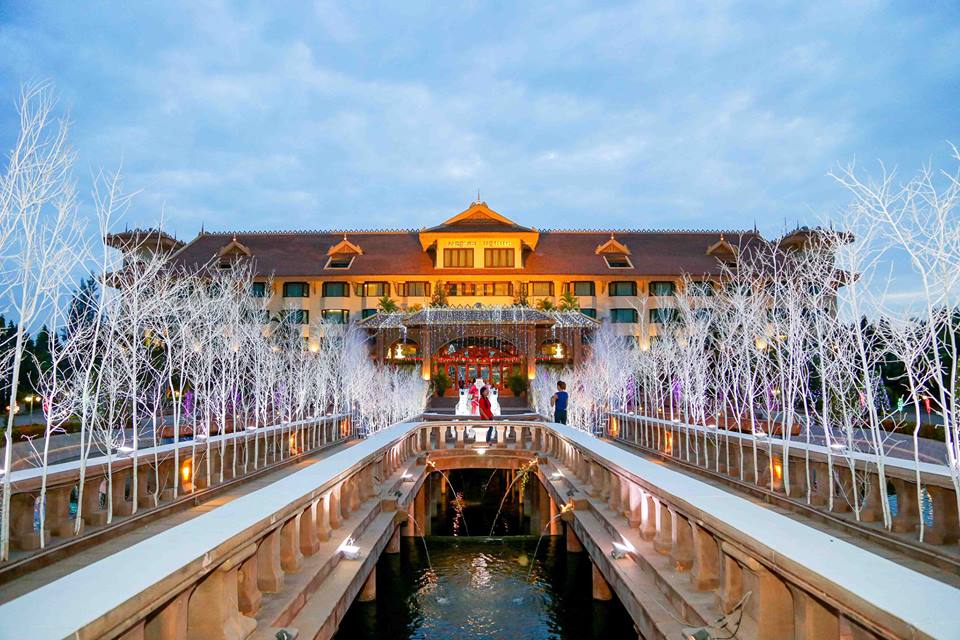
486 411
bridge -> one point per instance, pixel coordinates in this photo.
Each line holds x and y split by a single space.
689 552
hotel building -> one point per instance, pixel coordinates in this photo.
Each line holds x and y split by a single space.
484 263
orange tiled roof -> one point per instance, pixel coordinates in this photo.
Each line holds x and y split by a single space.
566 253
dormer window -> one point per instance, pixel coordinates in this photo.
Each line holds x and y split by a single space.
339 262
618 262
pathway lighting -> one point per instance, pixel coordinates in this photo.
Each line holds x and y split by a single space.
350 550
481 451
620 550
407 476
556 475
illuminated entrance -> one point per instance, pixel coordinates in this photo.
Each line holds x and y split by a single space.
466 359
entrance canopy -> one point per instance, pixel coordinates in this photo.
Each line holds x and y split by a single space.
456 316
526 329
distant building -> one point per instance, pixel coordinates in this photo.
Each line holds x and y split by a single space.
478 259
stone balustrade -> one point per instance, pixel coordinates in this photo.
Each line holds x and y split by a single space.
115 487
678 552
799 472
709 551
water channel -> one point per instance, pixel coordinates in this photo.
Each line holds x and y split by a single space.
481 587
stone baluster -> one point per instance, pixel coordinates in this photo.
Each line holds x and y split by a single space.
613 492
57 516
820 495
291 557
248 588
22 531
663 540
944 529
213 612
811 619
634 505
309 540
121 506
872 502
770 604
682 542
706 559
334 512
908 514
170 621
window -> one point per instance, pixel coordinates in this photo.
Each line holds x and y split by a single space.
336 290
413 289
662 288
373 289
618 262
704 314
296 290
496 289
337 316
700 288
622 316
498 258
458 258
587 288
339 262
366 313
541 288
590 313
258 290
295 316
663 316
623 289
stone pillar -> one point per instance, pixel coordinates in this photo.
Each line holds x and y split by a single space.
393 546
648 516
118 489
501 435
170 622
682 542
573 542
368 593
309 540
248 590
531 353
872 507
664 537
820 494
426 351
613 492
333 508
554 520
634 505
93 513
945 528
22 534
706 560
601 588
269 571
420 511
291 558
770 606
323 518
57 516
410 527
908 514
214 609
811 619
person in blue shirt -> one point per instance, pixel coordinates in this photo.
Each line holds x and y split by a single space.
559 403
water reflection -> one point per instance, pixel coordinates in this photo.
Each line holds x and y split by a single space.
480 590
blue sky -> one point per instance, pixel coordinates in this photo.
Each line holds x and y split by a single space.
564 115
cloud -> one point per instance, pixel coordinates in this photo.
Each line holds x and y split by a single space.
656 115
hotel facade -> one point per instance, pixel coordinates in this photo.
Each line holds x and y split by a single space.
495 275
